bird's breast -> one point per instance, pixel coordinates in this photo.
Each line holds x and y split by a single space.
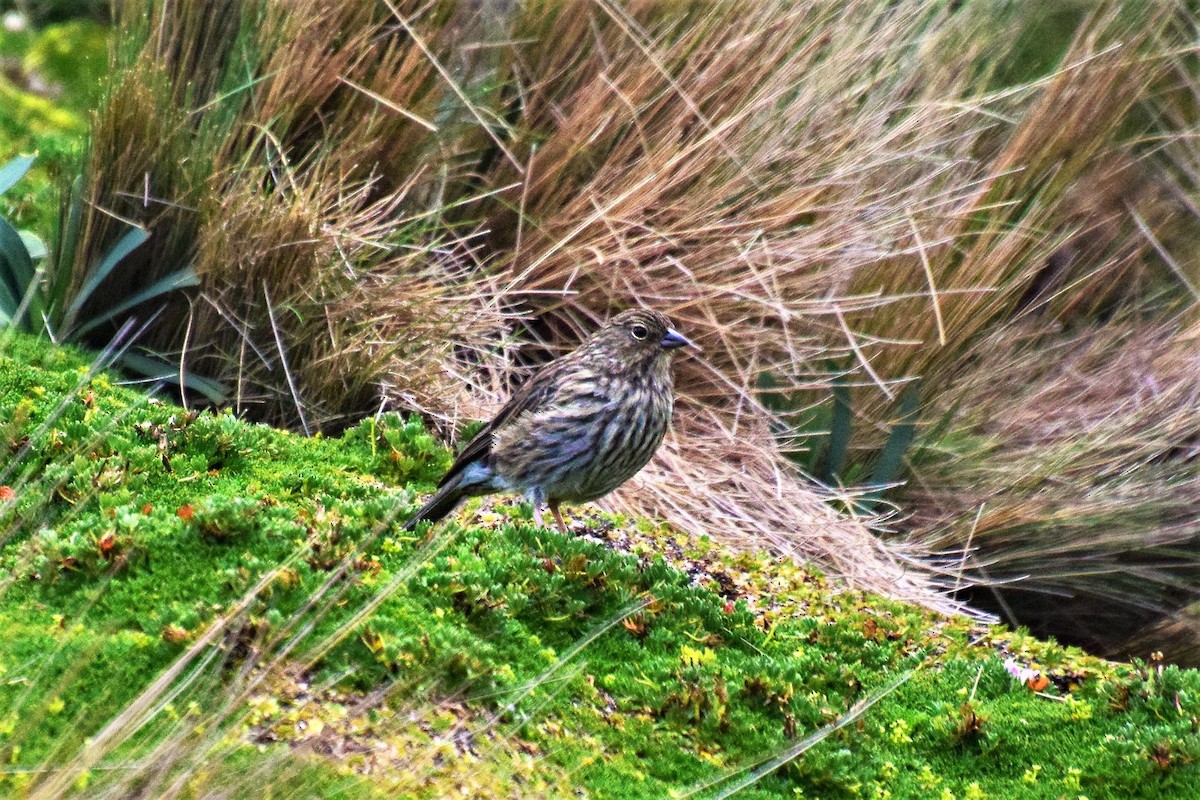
587 444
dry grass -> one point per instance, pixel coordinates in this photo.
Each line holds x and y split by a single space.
307 207
373 195
1068 488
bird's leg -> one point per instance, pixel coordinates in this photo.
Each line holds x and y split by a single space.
537 498
562 526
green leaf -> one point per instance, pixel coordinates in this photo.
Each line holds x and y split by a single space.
839 430
16 270
932 436
13 171
67 243
769 394
124 246
887 468
34 245
165 285
157 368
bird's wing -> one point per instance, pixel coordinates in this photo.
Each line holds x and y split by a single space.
538 391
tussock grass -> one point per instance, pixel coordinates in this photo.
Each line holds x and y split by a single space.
1066 490
252 141
825 184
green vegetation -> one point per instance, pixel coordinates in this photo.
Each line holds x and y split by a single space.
51 78
39 297
272 573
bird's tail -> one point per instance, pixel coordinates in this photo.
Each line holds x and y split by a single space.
438 506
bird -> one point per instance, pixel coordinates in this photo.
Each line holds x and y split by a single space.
581 426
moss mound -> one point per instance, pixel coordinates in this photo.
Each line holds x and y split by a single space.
320 649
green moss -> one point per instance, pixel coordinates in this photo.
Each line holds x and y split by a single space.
636 661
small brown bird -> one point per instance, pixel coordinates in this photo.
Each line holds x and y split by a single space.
580 427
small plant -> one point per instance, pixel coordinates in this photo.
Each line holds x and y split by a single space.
224 519
967 724
84 551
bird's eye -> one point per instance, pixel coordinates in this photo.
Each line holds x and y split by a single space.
639 332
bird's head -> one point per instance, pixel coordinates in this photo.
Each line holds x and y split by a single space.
640 336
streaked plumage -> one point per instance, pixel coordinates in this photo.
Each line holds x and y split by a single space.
579 428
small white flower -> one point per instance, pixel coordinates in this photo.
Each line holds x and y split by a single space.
15 22
1023 674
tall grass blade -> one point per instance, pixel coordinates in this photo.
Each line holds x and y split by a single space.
840 422
16 271
66 242
159 370
887 469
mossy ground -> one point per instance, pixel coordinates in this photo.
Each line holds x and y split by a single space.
501 659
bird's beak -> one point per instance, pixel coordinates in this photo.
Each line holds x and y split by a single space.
675 339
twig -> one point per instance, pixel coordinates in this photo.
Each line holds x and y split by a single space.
287 372
933 295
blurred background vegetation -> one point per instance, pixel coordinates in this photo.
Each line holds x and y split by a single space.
52 59
941 256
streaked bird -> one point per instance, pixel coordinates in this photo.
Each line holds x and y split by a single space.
580 427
